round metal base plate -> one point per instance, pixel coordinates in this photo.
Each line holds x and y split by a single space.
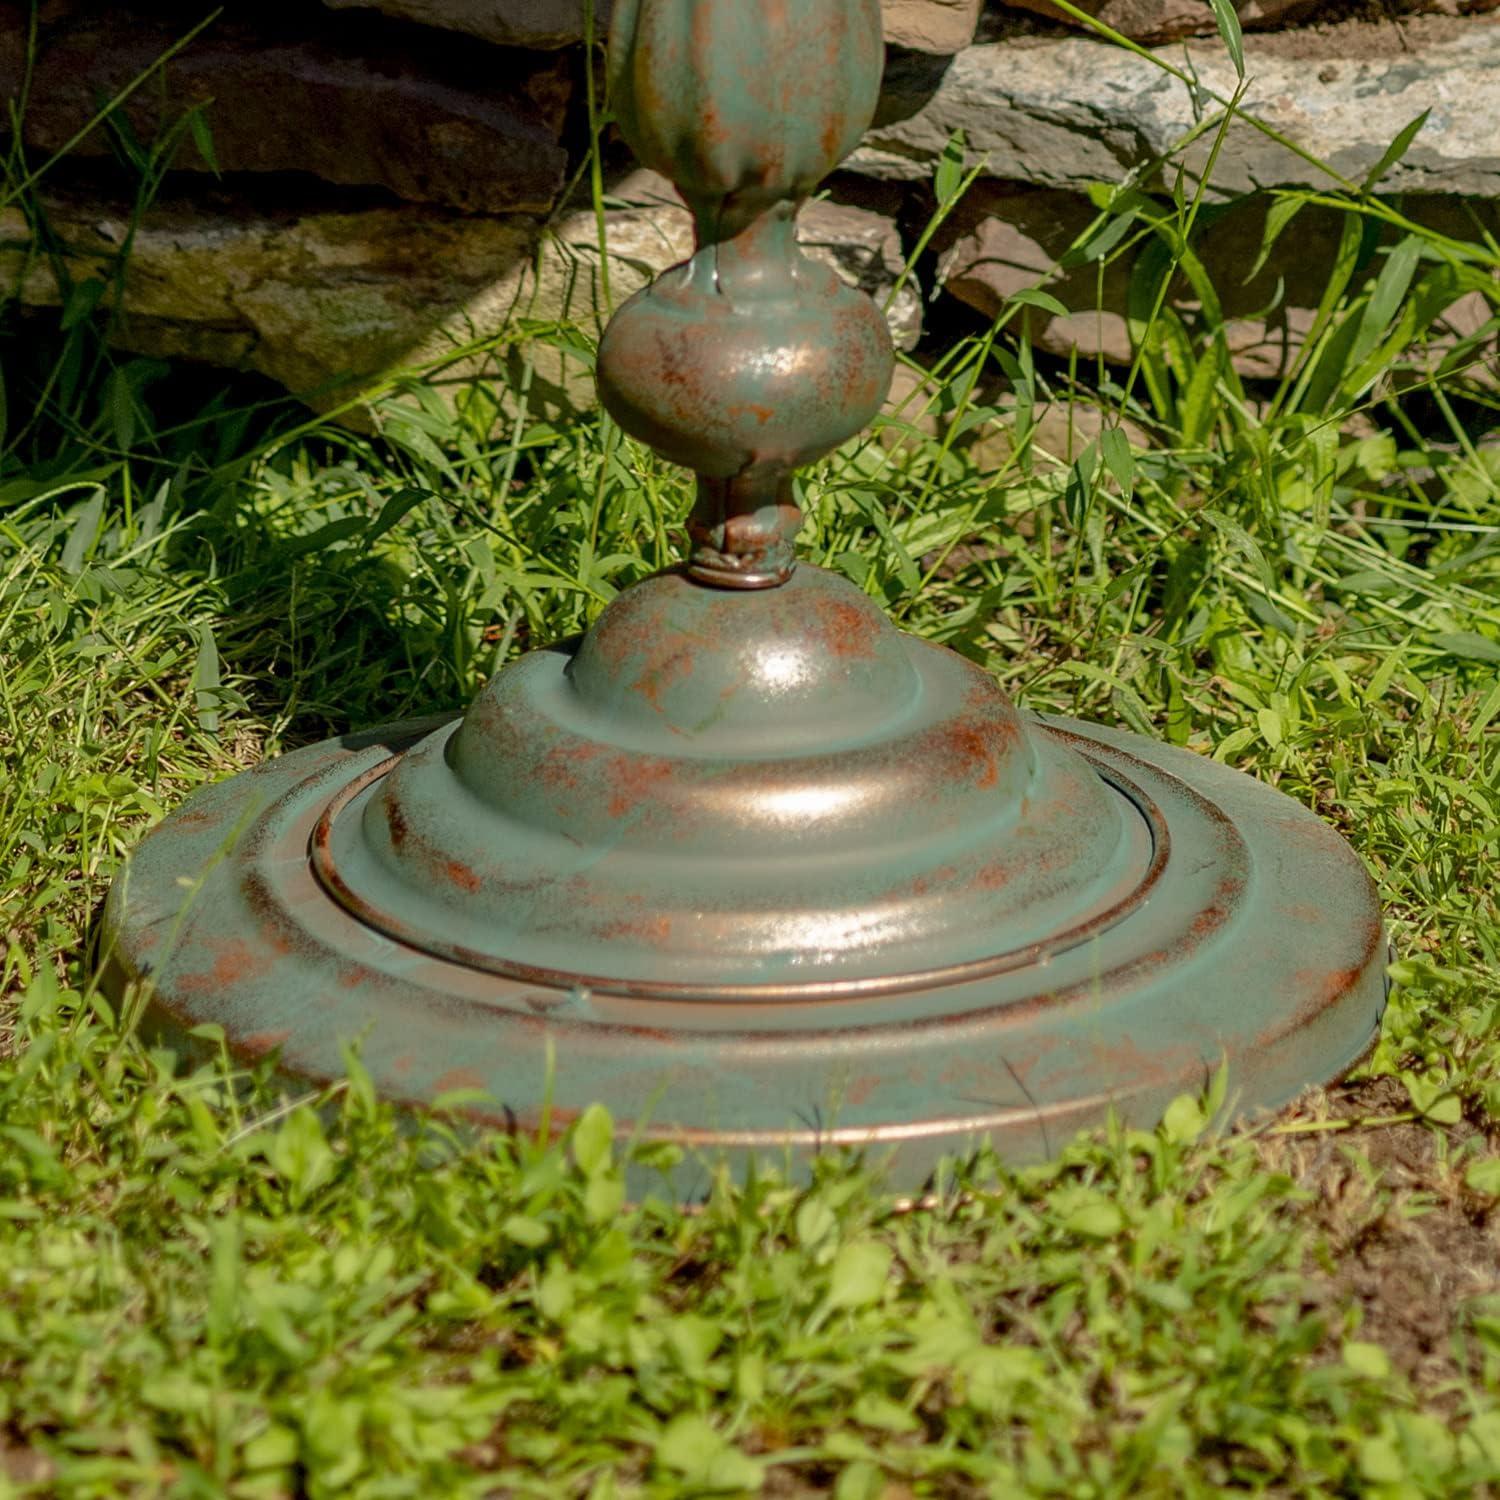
1252 935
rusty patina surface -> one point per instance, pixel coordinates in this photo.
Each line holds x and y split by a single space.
723 792
749 360
1259 944
764 872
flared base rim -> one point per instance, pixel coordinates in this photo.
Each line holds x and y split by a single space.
1259 945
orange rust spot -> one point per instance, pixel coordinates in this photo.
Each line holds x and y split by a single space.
1207 920
1130 1060
1303 913
561 767
462 876
661 676
656 930
831 136
262 1042
702 33
1319 989
1324 986
555 770
395 821
713 128
973 745
457 1078
236 960
634 779
846 629
650 1033
1340 981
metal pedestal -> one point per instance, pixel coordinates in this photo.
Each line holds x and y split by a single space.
747 863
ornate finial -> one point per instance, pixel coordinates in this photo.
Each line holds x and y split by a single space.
749 360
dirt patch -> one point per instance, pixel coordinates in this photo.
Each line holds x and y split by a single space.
1408 1245
1351 30
24 1466
1375 32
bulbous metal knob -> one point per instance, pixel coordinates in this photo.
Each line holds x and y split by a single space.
748 360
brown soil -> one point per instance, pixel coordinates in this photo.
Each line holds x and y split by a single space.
1408 1243
1375 32
1350 29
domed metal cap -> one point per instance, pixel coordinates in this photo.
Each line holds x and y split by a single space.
731 797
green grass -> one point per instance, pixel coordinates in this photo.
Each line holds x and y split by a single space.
207 1290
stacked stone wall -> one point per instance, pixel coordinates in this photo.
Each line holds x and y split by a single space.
356 187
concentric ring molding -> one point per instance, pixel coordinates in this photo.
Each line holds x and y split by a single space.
1260 942
1153 833
714 793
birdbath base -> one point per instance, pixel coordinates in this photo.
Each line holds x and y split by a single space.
746 863
1223 924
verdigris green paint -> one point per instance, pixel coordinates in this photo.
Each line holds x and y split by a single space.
760 871
750 360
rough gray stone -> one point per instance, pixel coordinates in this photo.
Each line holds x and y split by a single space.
1003 240
1071 112
328 303
512 23
428 128
1141 20
1006 241
1169 20
940 26
865 249
1262 15
315 301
